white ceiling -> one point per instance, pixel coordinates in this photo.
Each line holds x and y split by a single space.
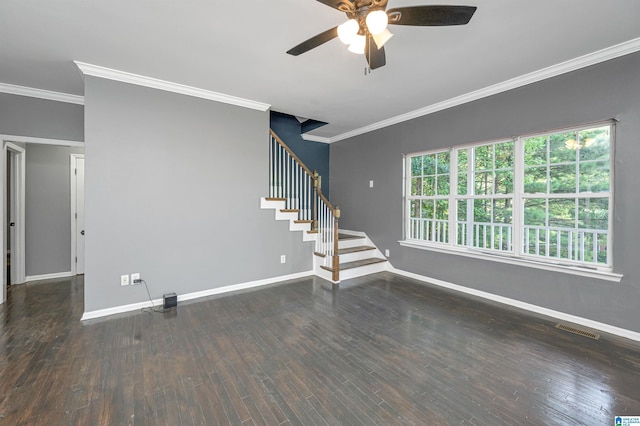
238 48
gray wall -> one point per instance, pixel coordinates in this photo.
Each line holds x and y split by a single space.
25 116
603 91
48 209
173 185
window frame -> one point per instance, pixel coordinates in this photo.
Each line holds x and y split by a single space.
435 197
471 194
518 253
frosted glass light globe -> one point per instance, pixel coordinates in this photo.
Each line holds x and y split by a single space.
348 30
358 44
377 21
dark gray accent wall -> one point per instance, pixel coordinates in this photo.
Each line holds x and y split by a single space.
173 186
48 209
41 118
599 92
315 155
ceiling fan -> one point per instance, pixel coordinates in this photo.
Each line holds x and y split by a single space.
366 30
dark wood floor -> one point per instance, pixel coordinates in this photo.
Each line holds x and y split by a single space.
381 350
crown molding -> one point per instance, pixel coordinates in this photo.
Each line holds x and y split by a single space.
41 94
312 138
589 59
41 141
154 83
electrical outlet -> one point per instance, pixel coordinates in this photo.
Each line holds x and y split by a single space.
386 253
283 259
135 279
124 279
370 184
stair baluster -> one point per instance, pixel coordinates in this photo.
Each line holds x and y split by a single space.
291 180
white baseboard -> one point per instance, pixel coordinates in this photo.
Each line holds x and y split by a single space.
243 286
181 297
622 332
119 309
30 278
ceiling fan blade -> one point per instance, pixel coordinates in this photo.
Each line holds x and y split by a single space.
375 57
431 16
314 42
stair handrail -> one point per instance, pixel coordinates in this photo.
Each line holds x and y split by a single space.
291 153
324 217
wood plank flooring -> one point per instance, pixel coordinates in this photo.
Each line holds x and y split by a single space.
382 349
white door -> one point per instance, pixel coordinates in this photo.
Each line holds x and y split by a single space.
11 215
79 207
14 210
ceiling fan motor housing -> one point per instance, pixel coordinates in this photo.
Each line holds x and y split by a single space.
354 8
359 9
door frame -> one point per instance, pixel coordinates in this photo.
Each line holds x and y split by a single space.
7 139
73 179
18 155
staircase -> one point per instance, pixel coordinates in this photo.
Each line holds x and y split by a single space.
358 256
295 194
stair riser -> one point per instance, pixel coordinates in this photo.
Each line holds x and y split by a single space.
319 260
363 270
353 242
299 226
324 274
286 215
359 255
309 237
266 204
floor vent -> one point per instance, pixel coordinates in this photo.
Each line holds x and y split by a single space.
579 331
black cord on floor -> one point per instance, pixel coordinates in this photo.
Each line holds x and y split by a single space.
153 308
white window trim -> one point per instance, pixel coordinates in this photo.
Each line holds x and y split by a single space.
604 272
512 260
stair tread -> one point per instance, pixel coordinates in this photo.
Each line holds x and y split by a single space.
355 249
363 262
275 199
348 237
302 221
356 264
290 210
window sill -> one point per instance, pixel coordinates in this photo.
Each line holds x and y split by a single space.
573 270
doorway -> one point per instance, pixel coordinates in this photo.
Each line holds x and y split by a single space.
13 165
77 214
13 211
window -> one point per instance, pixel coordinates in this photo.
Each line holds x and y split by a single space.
429 200
485 196
566 195
544 197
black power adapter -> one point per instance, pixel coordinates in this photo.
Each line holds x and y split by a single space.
170 300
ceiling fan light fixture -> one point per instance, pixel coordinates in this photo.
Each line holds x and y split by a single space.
377 21
348 30
367 24
382 38
358 44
